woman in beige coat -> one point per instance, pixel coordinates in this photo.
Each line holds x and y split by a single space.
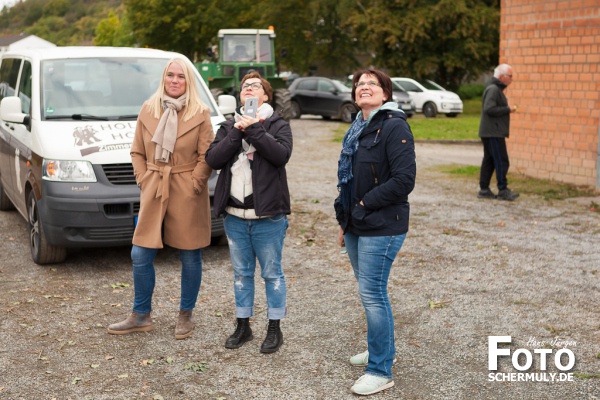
172 135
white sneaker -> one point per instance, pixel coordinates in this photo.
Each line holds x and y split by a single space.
369 384
362 359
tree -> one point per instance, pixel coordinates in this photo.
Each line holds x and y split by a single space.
114 30
448 41
166 24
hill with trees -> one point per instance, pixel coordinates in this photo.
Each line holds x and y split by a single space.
449 41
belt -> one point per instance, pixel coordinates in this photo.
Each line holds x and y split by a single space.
165 176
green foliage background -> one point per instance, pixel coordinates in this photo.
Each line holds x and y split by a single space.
449 41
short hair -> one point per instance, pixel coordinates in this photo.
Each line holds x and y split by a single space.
501 69
382 78
265 83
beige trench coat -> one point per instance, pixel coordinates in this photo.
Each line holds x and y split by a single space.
174 195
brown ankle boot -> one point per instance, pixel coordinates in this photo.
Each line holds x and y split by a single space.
134 323
185 325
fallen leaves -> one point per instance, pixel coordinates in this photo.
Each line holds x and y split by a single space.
438 304
199 366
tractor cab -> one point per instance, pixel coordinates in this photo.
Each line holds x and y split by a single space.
240 52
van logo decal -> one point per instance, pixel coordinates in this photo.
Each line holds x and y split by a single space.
105 147
85 135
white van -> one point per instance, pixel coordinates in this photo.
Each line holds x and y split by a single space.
67 120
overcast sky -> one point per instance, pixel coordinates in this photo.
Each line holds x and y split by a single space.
6 3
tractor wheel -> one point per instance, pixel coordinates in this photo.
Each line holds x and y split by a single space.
282 103
216 92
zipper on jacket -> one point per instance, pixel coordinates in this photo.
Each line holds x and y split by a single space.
375 178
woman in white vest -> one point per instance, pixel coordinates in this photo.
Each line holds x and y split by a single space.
252 193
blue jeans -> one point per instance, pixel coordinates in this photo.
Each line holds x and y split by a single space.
144 278
250 239
371 258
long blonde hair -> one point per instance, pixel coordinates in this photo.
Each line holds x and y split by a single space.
193 103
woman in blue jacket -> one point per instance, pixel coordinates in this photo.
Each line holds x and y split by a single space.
252 192
376 173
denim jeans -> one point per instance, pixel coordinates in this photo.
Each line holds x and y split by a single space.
371 258
144 278
262 239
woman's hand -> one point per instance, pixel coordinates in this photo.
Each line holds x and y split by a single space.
245 122
341 237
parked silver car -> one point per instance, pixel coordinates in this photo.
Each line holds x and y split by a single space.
405 103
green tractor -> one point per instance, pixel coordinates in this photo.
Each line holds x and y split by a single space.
241 51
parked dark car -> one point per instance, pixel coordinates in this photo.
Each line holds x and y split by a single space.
315 95
405 102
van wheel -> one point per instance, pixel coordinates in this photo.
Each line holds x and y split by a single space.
41 251
5 203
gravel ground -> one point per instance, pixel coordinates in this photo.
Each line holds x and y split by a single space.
469 269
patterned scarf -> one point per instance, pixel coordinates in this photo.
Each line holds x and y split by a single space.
349 147
166 131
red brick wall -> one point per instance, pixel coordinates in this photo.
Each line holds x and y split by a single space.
554 49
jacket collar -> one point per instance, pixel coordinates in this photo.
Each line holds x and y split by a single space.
377 120
498 82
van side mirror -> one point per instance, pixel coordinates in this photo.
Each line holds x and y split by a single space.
10 111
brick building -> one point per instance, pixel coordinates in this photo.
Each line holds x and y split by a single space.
554 49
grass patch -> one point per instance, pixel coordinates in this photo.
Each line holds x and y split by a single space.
548 189
472 107
465 126
584 375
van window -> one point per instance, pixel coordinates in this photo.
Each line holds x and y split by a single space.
102 87
9 73
25 88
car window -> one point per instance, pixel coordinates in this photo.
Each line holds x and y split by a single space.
397 86
9 73
431 85
409 86
25 88
325 86
307 84
341 87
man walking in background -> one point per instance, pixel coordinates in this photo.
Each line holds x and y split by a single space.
493 131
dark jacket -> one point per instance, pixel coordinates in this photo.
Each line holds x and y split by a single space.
384 172
273 142
495 112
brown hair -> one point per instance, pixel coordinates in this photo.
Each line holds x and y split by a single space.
383 79
265 83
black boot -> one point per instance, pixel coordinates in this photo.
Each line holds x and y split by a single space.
274 338
242 334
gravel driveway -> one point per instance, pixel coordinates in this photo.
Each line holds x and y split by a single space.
469 269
